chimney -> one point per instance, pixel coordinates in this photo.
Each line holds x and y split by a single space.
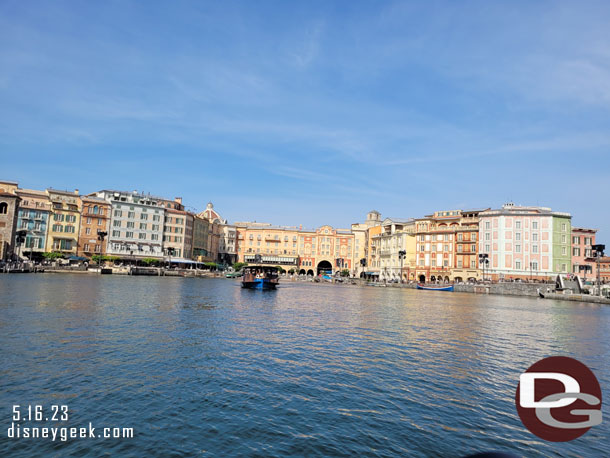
178 199
76 192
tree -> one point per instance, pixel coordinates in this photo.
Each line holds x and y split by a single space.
237 266
345 273
280 269
150 261
291 271
51 256
211 265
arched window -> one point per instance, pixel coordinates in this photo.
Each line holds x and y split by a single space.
95 209
3 208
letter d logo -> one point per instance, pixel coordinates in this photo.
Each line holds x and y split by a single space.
558 399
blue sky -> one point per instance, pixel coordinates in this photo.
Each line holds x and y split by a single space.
312 112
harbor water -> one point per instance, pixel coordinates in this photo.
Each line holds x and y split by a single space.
202 367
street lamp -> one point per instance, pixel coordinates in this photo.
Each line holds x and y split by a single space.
363 264
598 252
402 254
484 261
21 235
101 235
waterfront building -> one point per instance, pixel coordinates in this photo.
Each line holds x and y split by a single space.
604 269
64 224
466 266
95 217
373 260
215 233
396 235
262 243
201 231
361 242
177 231
9 202
525 242
325 250
306 251
582 239
436 236
136 224
226 244
221 237
33 217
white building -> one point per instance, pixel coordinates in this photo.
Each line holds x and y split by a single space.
393 239
136 225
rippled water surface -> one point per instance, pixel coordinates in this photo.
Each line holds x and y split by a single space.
202 367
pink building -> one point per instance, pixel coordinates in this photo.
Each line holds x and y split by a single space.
582 239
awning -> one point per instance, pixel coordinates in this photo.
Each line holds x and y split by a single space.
183 261
371 273
77 258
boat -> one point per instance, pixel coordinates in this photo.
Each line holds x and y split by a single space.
260 277
234 274
435 288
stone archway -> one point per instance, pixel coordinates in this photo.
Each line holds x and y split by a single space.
325 267
432 278
447 280
310 272
422 278
302 272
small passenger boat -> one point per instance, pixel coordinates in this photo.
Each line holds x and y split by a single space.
260 277
435 288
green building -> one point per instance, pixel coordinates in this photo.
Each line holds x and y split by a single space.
562 232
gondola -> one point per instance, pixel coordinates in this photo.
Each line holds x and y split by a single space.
435 288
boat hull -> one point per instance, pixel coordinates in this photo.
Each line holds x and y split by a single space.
440 288
259 283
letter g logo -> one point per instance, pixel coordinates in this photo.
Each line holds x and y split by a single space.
555 396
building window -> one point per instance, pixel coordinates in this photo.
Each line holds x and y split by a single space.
534 224
517 224
3 208
518 264
534 248
517 248
534 237
563 227
116 233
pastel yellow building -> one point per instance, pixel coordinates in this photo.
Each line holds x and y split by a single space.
64 223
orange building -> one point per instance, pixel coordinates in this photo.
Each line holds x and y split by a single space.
95 217
323 250
447 246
